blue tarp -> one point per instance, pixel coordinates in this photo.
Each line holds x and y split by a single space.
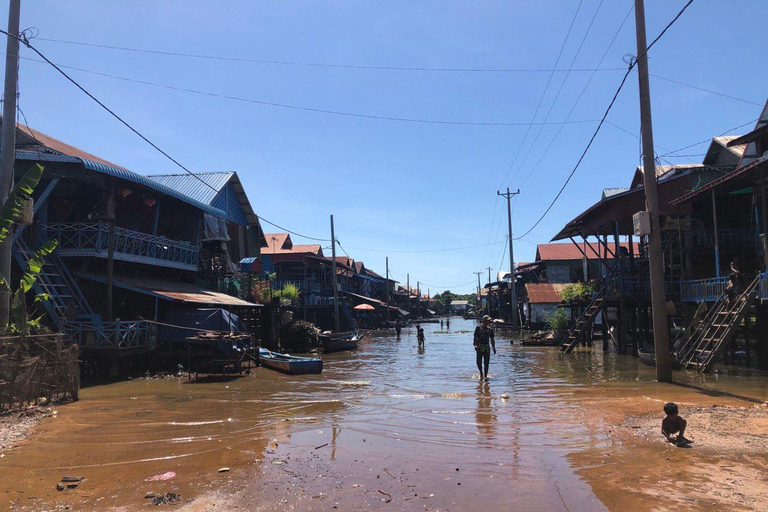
186 323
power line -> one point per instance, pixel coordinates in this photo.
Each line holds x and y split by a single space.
581 94
557 95
309 109
25 41
602 121
543 94
425 250
318 64
710 138
706 90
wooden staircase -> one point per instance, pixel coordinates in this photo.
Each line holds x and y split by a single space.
582 327
712 335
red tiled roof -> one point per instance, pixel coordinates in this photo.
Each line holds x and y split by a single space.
568 251
544 293
280 243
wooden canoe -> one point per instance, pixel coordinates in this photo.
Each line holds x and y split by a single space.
293 365
337 342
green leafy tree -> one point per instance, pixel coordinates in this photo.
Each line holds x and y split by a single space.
576 293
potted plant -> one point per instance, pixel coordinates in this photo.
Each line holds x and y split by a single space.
558 322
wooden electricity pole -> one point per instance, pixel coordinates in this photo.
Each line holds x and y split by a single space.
658 296
386 287
8 144
336 322
512 289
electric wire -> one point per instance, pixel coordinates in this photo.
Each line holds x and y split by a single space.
706 90
543 95
607 111
301 107
752 122
557 95
581 94
25 41
316 64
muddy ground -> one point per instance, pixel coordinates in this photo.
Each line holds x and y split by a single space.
394 428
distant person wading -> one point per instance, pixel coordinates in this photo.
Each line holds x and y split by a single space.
484 341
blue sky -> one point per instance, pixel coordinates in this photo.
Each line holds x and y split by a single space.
394 186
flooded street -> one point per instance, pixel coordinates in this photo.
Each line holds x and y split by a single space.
386 427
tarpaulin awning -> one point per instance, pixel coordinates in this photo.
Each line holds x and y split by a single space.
172 290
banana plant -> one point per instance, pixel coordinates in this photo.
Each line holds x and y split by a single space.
9 215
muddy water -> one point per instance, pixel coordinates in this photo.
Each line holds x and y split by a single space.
388 422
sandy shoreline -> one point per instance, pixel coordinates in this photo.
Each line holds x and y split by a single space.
725 469
17 426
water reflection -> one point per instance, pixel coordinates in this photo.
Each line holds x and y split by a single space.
485 416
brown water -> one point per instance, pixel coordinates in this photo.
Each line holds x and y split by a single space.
396 422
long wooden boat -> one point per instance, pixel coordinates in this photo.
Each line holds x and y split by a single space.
337 342
293 365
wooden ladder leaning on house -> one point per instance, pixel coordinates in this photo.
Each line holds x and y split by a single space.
584 322
717 329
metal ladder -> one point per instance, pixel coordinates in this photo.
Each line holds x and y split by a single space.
56 282
714 333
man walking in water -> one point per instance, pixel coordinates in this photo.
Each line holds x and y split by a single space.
484 341
398 328
420 336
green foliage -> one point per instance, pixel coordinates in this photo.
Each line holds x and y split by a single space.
18 303
558 320
9 215
289 292
576 292
14 205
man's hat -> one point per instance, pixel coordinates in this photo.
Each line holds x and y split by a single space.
486 317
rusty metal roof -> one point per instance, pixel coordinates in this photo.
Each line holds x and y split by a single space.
544 293
172 290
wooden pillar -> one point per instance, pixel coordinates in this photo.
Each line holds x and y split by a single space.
157 217
621 326
764 216
761 335
604 327
306 291
716 233
110 248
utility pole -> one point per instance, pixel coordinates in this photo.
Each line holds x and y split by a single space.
8 143
478 274
386 287
418 289
489 275
658 298
335 278
408 285
512 289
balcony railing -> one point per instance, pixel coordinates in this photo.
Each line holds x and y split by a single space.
699 290
635 285
119 335
279 285
706 237
92 239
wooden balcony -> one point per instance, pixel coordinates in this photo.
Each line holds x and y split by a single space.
91 239
120 335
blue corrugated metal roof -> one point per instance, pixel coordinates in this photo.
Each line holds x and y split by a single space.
193 187
220 189
152 184
227 200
